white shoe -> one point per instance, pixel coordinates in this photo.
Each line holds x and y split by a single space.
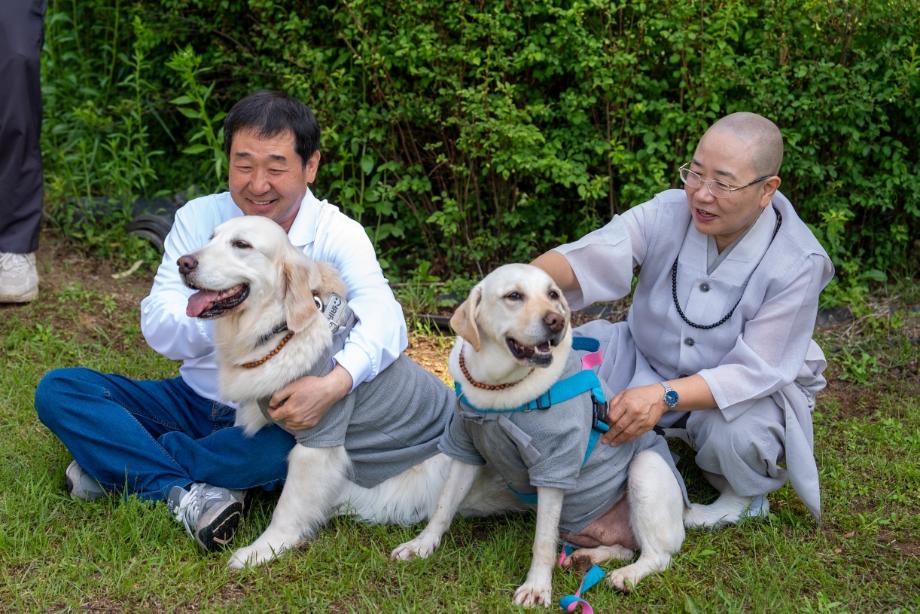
729 508
18 278
80 485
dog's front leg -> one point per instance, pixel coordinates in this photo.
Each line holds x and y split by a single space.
315 479
460 478
249 417
538 589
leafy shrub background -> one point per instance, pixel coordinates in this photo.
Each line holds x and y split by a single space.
467 134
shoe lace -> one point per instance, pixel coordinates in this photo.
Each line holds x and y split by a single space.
193 502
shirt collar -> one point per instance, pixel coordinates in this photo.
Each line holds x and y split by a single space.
303 229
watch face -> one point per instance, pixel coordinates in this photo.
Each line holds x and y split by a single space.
670 397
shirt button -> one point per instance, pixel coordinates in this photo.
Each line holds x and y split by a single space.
704 287
689 341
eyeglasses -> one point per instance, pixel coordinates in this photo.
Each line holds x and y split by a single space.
717 188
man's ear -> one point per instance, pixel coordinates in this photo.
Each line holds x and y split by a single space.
311 166
298 296
770 186
464 319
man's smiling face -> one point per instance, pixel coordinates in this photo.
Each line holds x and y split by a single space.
268 177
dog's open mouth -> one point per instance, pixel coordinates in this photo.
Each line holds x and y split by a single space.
213 303
540 354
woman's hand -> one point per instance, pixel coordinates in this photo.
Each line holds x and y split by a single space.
634 411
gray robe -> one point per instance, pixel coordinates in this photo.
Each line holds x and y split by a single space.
764 351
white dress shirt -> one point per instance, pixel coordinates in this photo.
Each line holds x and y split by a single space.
324 234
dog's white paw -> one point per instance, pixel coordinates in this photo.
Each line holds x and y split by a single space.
421 547
625 578
251 556
704 516
531 594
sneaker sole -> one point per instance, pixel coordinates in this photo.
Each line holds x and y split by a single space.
218 533
28 297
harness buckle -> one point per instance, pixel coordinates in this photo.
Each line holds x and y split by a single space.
538 402
599 409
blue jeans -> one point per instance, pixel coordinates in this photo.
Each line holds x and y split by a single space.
145 437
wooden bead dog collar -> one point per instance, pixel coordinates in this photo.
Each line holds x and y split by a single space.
270 355
483 386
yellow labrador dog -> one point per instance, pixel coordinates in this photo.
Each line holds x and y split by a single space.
527 409
374 455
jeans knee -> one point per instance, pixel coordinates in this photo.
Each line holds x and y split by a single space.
54 388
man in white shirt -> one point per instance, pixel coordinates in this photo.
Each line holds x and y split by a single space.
718 340
168 439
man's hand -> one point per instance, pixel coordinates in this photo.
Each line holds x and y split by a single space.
633 412
303 403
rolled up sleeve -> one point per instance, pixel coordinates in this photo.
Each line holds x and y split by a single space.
379 336
603 260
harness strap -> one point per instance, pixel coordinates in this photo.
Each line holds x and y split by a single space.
560 392
585 344
595 575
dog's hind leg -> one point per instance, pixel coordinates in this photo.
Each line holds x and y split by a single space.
583 558
314 483
656 516
460 479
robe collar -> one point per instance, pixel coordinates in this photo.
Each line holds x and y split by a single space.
737 266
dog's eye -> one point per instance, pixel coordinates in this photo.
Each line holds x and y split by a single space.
318 302
514 296
240 244
554 295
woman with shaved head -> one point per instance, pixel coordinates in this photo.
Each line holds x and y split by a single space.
718 343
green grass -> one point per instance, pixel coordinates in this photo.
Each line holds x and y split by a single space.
115 554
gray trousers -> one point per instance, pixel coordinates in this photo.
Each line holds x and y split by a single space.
747 451
21 194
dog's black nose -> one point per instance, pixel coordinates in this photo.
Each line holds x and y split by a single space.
554 321
187 264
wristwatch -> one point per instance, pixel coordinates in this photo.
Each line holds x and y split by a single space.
670 396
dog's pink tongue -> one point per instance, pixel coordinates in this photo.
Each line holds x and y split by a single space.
200 301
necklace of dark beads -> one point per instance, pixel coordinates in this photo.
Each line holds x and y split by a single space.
680 312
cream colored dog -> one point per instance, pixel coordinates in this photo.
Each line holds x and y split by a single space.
252 279
514 342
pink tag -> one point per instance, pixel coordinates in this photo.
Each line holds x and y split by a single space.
589 361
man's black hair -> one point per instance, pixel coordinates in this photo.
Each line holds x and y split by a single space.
269 114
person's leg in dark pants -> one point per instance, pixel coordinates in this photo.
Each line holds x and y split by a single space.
20 155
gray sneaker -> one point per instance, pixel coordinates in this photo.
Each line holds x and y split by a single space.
18 278
80 485
210 514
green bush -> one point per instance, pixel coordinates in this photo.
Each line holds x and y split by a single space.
464 134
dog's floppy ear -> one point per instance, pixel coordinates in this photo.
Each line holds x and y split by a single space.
299 307
464 319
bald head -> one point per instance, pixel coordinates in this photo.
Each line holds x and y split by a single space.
760 134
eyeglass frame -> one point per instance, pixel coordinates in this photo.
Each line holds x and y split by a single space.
685 168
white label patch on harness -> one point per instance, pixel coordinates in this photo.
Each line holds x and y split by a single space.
334 311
